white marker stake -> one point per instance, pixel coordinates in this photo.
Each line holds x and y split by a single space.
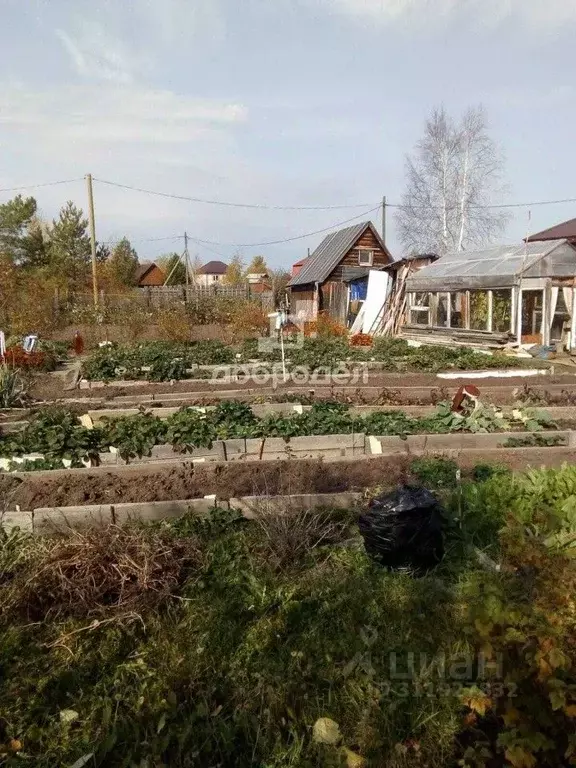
282 350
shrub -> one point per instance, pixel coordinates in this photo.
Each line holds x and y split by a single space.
326 327
247 319
174 324
288 536
525 620
16 357
361 340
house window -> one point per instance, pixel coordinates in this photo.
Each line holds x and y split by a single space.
215 278
365 258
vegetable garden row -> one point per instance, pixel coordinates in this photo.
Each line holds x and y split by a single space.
164 361
57 433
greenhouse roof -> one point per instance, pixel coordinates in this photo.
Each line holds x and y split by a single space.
496 267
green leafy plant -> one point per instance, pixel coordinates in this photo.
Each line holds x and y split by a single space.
57 434
13 392
189 429
535 441
133 436
437 473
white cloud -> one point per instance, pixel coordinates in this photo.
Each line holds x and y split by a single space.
535 13
181 20
155 139
116 41
115 113
96 54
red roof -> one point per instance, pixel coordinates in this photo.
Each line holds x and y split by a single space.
564 231
298 266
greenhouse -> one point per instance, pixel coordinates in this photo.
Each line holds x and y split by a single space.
523 293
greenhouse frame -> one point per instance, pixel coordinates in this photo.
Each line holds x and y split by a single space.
521 293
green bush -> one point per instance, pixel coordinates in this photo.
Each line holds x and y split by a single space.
524 621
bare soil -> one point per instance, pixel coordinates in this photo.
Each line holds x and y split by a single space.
377 388
155 483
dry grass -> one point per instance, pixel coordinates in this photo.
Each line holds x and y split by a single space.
101 572
289 536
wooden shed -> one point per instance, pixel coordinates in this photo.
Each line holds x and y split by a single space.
322 282
149 274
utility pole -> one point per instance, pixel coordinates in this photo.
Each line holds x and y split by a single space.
92 238
186 258
384 219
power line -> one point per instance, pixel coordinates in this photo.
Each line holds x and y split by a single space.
489 207
287 239
37 186
265 206
143 240
228 204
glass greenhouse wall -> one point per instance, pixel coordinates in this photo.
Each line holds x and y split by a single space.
525 293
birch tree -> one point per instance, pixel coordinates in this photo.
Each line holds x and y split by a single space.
454 173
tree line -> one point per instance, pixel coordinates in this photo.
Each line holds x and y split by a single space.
60 252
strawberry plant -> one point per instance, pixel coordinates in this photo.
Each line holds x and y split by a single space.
57 434
155 361
133 436
189 429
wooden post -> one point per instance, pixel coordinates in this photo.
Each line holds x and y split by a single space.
92 238
490 311
433 313
512 309
519 315
449 311
573 320
56 305
544 324
467 310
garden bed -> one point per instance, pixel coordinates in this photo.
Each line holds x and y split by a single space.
164 361
232 428
166 482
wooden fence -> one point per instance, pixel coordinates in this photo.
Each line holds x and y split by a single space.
152 298
162 296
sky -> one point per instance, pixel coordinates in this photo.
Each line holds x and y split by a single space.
278 103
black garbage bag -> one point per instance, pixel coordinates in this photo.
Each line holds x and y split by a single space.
404 529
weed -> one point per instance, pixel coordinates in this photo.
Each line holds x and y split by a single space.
435 473
291 536
13 392
100 573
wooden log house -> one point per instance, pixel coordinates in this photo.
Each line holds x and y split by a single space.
322 282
